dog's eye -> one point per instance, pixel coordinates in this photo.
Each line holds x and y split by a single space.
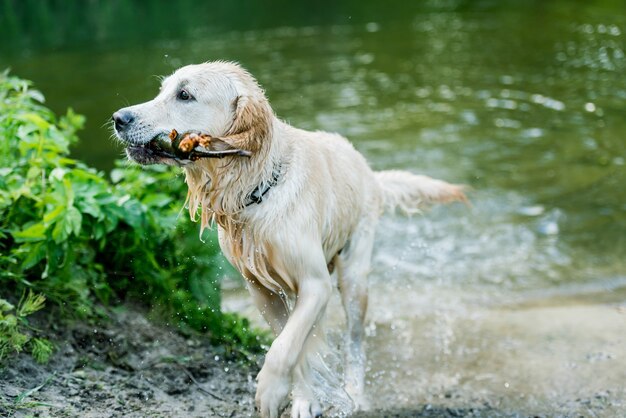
183 95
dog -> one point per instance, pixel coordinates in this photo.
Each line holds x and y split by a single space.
302 207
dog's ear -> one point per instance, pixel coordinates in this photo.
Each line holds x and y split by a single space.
252 123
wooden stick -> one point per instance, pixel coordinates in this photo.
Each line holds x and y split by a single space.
196 154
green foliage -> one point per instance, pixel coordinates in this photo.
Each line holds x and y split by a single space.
15 334
69 233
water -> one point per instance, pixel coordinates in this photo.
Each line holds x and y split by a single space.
515 301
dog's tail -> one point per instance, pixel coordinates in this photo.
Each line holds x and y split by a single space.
410 192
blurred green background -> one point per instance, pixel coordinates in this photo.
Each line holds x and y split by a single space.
524 98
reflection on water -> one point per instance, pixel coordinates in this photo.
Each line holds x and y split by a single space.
513 301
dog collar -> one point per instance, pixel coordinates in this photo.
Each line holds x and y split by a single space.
258 194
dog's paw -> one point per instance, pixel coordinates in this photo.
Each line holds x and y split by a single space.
271 393
305 408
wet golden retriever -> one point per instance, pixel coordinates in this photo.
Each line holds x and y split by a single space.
303 206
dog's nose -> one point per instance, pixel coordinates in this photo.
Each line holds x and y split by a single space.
122 118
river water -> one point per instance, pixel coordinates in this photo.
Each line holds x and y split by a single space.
517 302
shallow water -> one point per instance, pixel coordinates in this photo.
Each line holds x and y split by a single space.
514 301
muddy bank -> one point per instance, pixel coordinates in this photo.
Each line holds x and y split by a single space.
129 367
534 360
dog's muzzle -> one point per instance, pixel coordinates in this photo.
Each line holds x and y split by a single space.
145 153
149 153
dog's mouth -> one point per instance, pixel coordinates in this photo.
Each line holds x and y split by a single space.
170 150
157 146
155 151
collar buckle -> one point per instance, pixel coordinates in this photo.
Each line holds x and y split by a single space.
258 194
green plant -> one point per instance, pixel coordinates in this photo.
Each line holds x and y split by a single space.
14 328
22 401
72 235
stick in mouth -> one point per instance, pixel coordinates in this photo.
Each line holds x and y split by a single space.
192 146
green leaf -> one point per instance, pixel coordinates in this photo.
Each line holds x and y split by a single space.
41 350
158 200
57 174
117 174
74 220
99 230
89 205
34 232
40 122
36 95
132 213
22 396
9 321
61 230
5 306
53 215
36 253
30 303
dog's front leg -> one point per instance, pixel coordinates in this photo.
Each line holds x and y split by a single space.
275 378
275 312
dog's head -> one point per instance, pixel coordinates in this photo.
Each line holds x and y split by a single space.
220 99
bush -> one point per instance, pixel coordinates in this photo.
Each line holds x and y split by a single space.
72 235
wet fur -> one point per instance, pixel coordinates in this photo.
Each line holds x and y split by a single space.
321 215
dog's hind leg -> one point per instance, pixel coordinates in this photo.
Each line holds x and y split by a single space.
353 265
